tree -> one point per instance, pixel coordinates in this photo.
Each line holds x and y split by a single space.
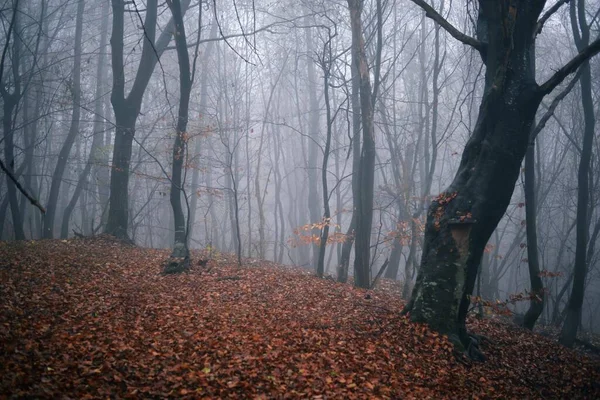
11 100
325 62
65 150
581 33
313 140
537 289
127 108
94 158
461 219
344 262
366 171
186 78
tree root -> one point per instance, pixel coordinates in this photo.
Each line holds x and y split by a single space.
176 265
473 349
466 346
179 261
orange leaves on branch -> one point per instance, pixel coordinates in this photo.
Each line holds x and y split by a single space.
305 235
442 200
403 232
549 274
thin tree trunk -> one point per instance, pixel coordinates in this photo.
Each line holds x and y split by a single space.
344 261
180 248
65 150
581 33
364 204
11 101
94 158
327 213
203 116
536 304
313 129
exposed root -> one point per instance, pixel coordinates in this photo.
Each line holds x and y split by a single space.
179 261
177 265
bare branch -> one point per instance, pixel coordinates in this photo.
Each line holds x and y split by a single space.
430 12
266 28
550 111
21 188
547 15
570 67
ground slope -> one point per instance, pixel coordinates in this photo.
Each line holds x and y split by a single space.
95 319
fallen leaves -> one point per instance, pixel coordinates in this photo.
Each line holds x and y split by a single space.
95 319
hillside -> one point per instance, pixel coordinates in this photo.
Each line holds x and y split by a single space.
91 318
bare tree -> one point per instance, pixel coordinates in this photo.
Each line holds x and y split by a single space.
127 108
65 150
581 34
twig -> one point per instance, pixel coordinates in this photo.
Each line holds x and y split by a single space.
21 188
381 271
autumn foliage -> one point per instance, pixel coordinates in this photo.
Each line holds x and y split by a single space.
91 318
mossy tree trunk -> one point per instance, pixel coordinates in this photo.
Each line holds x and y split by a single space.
461 220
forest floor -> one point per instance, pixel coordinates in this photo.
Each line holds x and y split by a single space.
91 318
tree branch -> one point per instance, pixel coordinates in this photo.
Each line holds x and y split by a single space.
21 188
550 111
430 12
547 15
570 67
266 28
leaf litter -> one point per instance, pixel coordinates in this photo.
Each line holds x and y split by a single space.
94 318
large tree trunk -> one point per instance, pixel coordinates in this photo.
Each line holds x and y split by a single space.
461 220
581 32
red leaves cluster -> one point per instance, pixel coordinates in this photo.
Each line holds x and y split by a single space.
95 319
443 199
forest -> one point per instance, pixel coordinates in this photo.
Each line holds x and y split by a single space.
300 199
